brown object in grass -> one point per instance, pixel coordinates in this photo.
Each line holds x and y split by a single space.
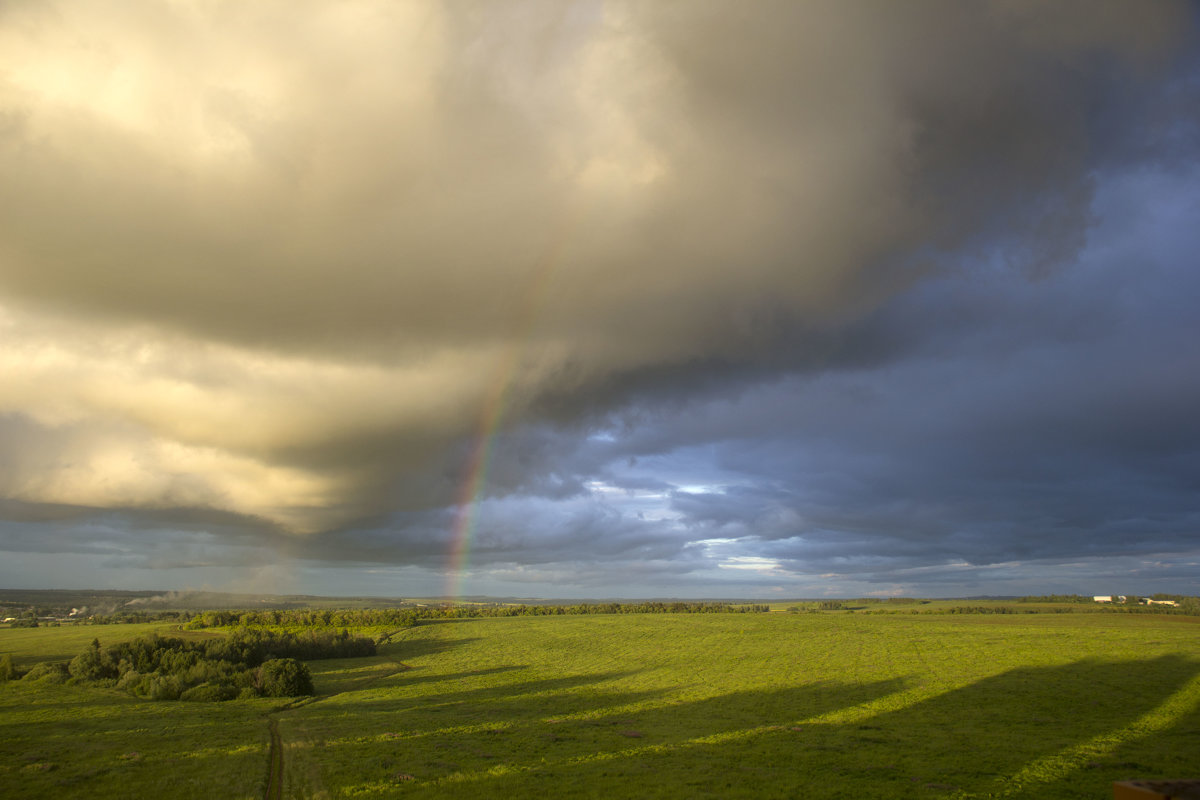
1157 790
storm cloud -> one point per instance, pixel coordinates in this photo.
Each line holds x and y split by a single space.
796 297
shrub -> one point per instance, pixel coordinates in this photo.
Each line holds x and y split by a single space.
7 671
93 664
129 679
157 687
210 692
48 672
284 677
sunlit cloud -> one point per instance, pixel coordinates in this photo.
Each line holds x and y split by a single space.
803 295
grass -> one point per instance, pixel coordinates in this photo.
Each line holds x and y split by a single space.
758 705
66 741
31 645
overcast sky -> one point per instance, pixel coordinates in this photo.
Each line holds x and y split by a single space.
646 299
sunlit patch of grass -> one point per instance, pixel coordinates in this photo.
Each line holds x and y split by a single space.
31 645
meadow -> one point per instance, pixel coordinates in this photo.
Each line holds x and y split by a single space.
830 704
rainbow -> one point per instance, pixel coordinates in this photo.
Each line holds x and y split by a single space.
492 413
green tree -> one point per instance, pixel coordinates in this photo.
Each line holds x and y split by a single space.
284 677
7 671
93 664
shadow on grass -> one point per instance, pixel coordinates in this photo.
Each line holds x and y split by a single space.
561 729
339 675
508 700
1171 753
1065 732
416 648
414 677
1037 723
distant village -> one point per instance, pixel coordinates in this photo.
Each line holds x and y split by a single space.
74 616
1145 601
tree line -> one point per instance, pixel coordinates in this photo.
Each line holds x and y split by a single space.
247 663
407 617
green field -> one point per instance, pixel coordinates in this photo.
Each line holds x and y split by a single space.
688 705
31 645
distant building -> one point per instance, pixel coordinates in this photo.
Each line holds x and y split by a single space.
1103 598
1150 602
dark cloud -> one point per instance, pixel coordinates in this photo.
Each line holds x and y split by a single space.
742 294
1033 421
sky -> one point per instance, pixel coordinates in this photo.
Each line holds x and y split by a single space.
600 299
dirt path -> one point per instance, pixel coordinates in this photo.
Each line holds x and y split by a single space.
275 776
275 754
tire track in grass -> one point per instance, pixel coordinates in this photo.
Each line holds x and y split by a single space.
275 761
275 752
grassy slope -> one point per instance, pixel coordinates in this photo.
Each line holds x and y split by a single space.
61 741
763 705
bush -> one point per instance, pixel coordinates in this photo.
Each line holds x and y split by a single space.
210 692
7 671
129 679
93 664
157 687
48 672
284 677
